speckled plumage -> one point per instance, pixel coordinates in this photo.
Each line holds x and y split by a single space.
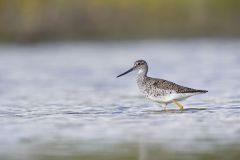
160 90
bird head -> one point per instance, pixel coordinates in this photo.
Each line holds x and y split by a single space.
139 65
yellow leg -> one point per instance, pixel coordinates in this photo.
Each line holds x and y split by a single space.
178 104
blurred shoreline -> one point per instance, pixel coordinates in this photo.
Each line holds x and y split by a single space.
58 20
121 41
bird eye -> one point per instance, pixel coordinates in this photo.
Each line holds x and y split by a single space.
138 63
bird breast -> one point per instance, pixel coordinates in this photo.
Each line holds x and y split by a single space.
149 90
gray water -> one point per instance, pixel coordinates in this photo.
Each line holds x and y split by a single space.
61 99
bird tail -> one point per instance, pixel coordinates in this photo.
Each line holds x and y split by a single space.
201 91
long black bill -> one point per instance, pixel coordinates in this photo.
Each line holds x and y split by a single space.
125 72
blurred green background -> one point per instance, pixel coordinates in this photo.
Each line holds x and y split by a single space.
50 20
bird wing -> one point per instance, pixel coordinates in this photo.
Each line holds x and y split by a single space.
167 85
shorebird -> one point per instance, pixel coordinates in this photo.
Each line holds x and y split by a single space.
160 90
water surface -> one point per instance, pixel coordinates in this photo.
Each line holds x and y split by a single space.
63 100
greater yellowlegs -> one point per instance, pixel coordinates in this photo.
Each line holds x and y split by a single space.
160 90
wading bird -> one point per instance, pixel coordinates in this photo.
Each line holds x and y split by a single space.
160 90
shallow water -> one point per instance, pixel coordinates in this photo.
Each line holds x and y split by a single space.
62 99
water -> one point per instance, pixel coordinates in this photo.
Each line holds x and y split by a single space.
63 100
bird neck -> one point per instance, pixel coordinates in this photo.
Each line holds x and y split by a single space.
142 72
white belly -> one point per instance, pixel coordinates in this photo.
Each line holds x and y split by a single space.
169 97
